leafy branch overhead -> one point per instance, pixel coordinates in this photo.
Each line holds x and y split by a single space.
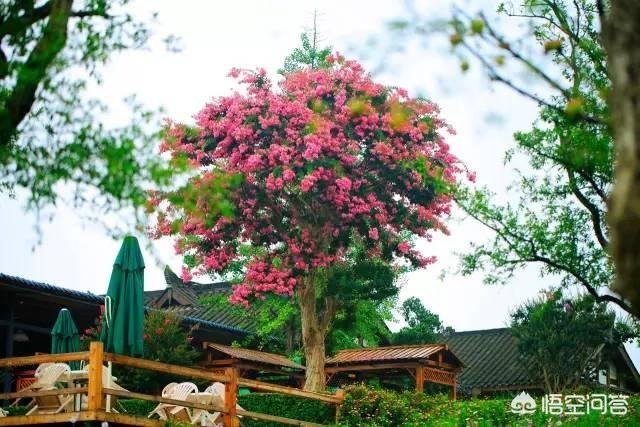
556 217
50 132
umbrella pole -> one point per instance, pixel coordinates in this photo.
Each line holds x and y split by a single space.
108 399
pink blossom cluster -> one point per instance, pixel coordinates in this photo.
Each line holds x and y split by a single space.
326 156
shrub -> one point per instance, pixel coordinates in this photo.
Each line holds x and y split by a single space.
136 407
285 406
369 407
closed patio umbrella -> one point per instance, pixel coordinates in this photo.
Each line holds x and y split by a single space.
65 337
123 324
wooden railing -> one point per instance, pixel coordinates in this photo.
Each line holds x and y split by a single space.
96 391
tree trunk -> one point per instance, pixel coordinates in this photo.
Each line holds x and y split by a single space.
621 32
314 330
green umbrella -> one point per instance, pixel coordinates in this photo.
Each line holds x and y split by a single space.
64 336
123 324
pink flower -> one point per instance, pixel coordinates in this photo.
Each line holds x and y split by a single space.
344 183
145 337
403 247
159 331
307 183
167 322
186 274
373 233
288 175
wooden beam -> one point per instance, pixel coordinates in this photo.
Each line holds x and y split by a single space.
220 362
282 420
39 393
96 360
419 379
258 385
371 367
271 370
43 358
128 420
65 417
165 368
133 395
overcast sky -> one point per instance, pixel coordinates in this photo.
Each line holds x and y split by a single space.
216 36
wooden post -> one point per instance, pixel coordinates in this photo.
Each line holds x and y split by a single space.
453 393
419 379
340 395
96 359
8 342
231 397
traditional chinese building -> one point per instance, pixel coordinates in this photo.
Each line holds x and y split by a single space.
492 363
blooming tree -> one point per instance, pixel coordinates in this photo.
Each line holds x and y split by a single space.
326 160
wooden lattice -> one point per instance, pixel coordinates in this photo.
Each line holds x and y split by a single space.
439 376
24 382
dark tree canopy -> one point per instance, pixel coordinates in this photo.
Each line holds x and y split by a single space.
565 341
423 326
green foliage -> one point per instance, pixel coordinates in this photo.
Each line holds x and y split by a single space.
364 291
423 326
564 342
138 407
165 341
309 55
50 132
286 406
381 408
13 411
556 214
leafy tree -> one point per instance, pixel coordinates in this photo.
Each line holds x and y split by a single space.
557 217
564 341
423 326
50 133
328 161
365 293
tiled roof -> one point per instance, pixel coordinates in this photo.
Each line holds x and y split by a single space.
183 299
31 285
255 356
224 317
192 314
491 359
374 354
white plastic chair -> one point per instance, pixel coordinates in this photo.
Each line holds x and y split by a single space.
182 392
48 377
160 410
204 417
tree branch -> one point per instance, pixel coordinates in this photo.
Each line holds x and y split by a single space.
596 216
53 40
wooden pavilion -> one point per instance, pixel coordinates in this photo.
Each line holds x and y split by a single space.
250 363
424 362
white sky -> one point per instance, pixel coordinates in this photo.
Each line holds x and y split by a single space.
216 36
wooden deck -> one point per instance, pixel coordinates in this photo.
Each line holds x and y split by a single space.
73 417
95 392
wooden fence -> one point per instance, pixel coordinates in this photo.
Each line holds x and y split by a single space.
96 391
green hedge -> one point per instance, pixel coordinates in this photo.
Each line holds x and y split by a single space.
285 406
136 406
383 408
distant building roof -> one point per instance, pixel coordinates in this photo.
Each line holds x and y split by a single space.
491 360
33 286
190 310
254 356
